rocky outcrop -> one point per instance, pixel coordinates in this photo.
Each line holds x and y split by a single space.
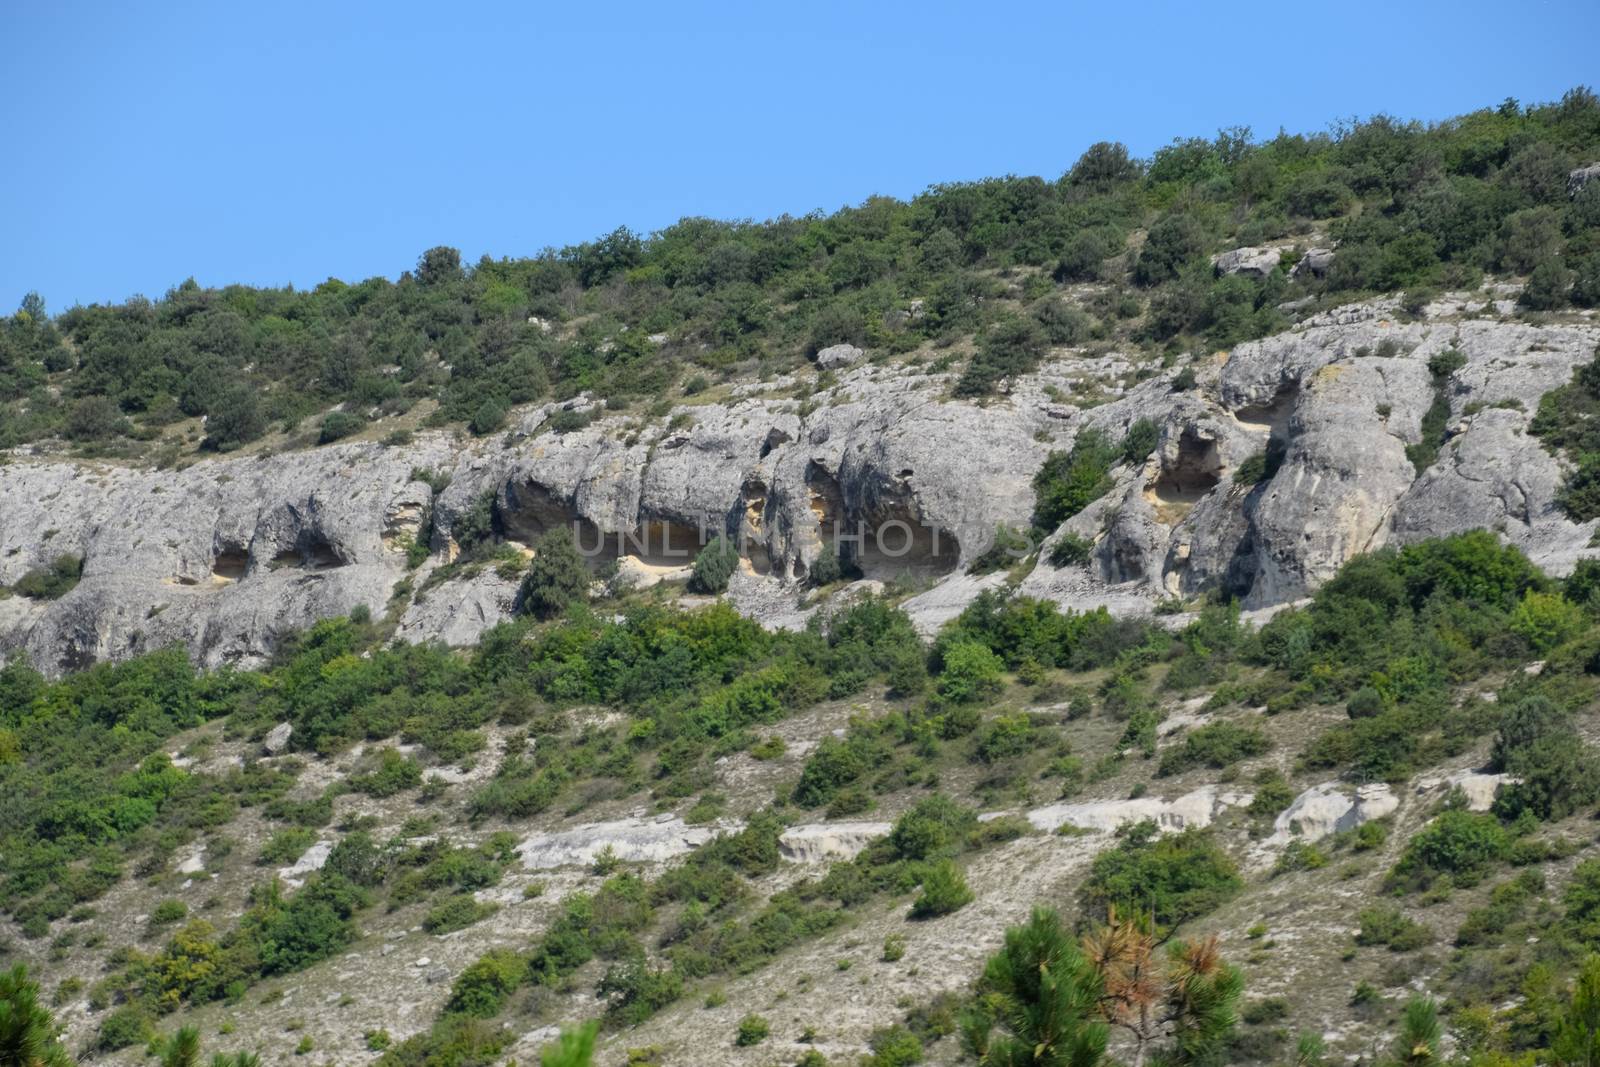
1581 177
631 840
228 555
1331 808
835 356
1250 262
1196 810
825 842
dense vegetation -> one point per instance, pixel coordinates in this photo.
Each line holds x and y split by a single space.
628 317
1399 644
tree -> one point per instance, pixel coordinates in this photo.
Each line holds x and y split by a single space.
233 418
714 567
1013 347
183 1049
1418 1042
557 576
1190 1000
1577 1038
439 265
1173 241
1044 996
27 1030
1103 165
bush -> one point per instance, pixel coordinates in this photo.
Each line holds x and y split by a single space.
168 912
1458 845
1068 482
714 566
1172 878
483 987
490 417
1390 927
1546 620
970 673
1012 347
1174 240
753 1030
894 1047
557 576
1070 549
1218 745
124 1027
456 913
339 424
52 582
393 774
944 890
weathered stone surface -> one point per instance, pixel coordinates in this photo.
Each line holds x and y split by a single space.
1315 262
835 356
1331 808
277 740
1581 177
1197 809
1251 262
633 840
828 841
230 554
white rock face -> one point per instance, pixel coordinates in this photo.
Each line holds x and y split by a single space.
230 554
825 842
1582 176
1331 808
1192 810
1479 788
632 840
310 860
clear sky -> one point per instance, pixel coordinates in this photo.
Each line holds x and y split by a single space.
290 141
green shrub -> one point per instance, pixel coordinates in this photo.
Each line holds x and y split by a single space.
167 912
489 417
1459 845
483 987
557 576
1390 927
1546 620
51 582
894 1047
714 566
753 1030
1070 481
286 846
1219 744
970 673
944 890
1012 347
1070 549
126 1026
393 774
455 913
339 424
1173 878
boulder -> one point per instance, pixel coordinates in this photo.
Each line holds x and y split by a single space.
277 740
1331 808
836 356
1251 262
1315 262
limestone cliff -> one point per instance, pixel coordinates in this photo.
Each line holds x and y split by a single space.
230 554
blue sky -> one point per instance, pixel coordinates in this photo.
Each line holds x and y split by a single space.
290 142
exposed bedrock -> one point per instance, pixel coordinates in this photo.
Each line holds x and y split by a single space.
1287 457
